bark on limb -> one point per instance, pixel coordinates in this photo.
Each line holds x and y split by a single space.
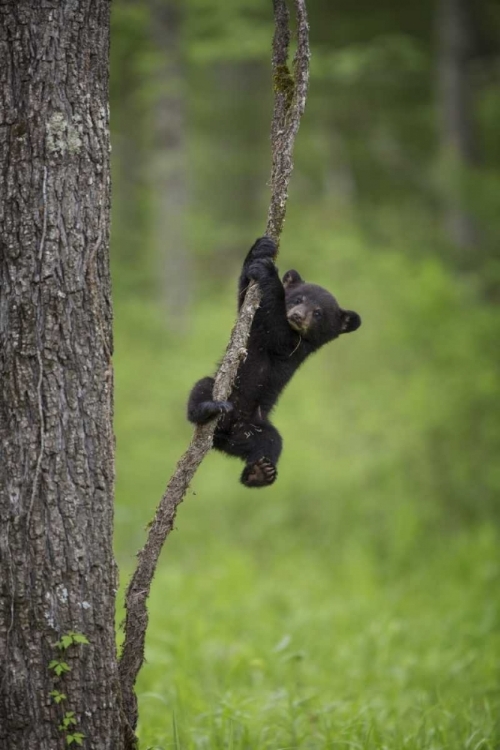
289 102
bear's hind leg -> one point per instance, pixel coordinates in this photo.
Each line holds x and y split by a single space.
258 444
261 459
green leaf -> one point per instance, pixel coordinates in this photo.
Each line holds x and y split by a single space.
67 721
61 667
57 696
79 638
76 737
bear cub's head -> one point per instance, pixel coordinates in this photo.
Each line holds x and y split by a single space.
315 313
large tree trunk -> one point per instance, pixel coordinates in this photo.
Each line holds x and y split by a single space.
57 572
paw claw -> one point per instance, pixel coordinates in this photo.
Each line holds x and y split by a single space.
259 474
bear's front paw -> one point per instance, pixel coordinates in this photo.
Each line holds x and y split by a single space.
224 407
264 247
260 269
208 410
259 474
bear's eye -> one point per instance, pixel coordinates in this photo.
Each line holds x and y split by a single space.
297 301
317 314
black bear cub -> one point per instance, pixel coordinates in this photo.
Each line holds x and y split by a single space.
294 320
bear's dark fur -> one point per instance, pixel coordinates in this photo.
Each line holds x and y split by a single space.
294 320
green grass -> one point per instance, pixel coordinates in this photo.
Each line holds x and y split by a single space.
301 651
354 604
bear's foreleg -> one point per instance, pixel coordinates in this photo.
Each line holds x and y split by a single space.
201 406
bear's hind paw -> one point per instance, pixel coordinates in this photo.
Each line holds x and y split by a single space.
259 474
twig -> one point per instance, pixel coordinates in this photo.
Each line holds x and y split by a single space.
289 102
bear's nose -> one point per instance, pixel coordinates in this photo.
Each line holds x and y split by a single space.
296 316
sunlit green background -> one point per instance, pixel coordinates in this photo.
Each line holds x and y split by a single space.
356 602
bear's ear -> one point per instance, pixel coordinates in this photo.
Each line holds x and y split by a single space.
291 278
350 321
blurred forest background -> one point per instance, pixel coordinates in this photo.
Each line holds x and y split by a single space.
355 601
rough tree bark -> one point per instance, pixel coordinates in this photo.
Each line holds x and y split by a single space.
57 573
289 102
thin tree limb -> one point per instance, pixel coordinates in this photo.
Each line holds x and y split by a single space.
289 102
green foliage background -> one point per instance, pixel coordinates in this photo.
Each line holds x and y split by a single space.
354 603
